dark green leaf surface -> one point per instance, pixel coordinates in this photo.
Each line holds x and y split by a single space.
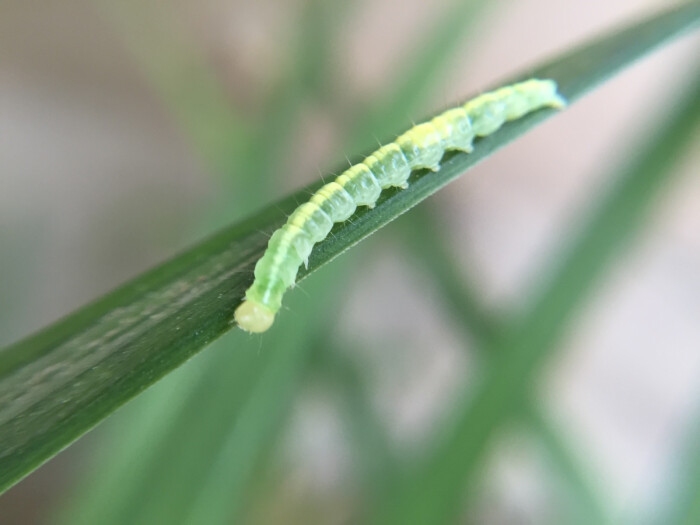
59 383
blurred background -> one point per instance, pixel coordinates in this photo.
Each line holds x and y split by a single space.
130 130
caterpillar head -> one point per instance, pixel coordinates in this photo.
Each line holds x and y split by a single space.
253 317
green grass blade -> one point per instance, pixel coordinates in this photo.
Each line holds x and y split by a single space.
587 506
479 329
375 462
62 381
430 251
425 65
521 352
221 495
129 441
235 406
177 71
310 63
211 419
185 444
305 79
683 504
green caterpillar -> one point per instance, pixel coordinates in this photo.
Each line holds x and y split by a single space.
420 147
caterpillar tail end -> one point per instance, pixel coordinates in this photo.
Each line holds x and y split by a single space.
253 317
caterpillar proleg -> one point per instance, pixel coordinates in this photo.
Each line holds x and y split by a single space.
420 147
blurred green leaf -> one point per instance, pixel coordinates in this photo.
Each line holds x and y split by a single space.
431 252
479 330
229 422
376 461
425 63
222 492
682 506
133 443
302 81
578 482
60 382
432 493
178 72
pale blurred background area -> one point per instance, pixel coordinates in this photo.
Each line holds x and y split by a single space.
115 154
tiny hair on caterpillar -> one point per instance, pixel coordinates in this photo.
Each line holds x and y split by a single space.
422 146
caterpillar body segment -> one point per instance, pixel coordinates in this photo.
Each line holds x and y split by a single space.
422 146
361 184
336 201
389 166
455 129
